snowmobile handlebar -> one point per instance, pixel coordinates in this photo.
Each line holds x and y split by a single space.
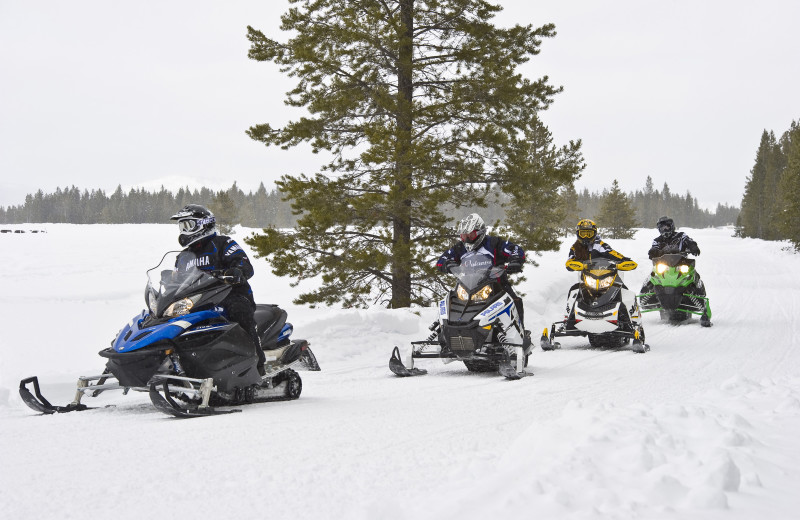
627 265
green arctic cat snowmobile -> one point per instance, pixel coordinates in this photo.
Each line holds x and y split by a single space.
675 290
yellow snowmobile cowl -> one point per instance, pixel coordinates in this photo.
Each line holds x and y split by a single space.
600 272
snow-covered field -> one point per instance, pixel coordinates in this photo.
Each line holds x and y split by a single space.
706 425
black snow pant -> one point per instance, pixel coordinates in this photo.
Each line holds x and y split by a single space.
241 310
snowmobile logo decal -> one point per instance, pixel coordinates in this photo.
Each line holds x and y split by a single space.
442 308
233 249
476 262
493 308
197 262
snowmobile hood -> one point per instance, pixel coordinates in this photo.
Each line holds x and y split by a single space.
134 336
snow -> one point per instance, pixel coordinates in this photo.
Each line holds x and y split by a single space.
705 426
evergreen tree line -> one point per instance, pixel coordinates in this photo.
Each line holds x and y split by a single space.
770 205
647 205
261 208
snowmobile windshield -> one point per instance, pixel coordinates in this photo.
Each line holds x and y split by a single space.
599 274
178 276
600 266
475 269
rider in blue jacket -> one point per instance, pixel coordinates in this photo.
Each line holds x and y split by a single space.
206 250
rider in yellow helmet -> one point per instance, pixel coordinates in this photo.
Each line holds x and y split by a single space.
588 245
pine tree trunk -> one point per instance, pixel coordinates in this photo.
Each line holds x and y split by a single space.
400 193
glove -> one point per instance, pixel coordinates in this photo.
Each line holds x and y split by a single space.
449 264
514 267
233 276
695 250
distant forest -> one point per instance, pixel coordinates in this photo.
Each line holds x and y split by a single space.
650 203
771 201
264 208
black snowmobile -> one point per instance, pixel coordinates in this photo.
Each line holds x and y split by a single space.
188 356
601 307
478 324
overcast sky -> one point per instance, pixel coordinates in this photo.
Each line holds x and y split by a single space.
95 93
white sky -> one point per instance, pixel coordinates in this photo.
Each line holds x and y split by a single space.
96 93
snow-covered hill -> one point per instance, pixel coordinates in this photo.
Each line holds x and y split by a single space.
706 425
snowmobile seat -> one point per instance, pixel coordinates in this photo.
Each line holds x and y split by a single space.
269 322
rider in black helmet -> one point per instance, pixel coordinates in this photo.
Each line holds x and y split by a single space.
671 241
209 251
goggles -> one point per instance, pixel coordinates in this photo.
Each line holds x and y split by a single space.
469 237
586 233
187 225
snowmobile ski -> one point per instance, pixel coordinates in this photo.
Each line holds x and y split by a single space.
164 388
166 404
546 343
40 404
511 369
396 365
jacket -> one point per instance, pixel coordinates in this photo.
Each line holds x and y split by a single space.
218 253
597 248
677 243
501 251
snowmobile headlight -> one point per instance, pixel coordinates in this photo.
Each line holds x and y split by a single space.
462 293
606 282
181 307
483 294
661 268
684 269
590 282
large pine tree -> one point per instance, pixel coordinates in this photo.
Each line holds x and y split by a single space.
422 107
545 175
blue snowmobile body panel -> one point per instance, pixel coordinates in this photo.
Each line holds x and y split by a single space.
134 337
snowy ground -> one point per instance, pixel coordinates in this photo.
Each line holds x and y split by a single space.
706 425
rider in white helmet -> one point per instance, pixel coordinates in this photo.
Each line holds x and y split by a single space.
472 237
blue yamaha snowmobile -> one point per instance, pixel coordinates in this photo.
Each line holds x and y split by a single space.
188 356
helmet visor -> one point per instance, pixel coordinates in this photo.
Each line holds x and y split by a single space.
469 237
665 226
586 233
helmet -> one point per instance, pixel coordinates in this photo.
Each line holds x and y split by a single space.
471 230
195 222
586 230
665 226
